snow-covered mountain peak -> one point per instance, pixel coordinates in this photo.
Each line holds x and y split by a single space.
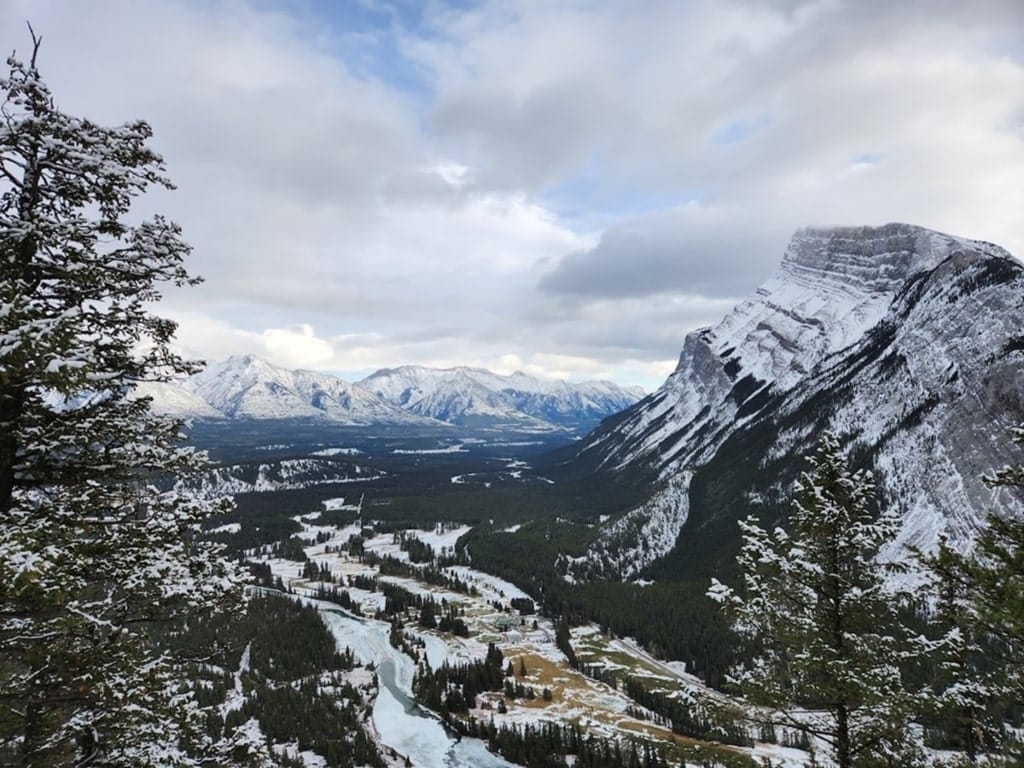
173 399
246 386
465 395
832 287
905 342
869 260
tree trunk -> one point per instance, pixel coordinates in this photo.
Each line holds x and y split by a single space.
30 756
843 736
12 400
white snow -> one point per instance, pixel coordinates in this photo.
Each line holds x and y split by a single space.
248 387
491 587
337 503
441 537
639 537
235 698
337 452
456 448
275 476
454 394
175 400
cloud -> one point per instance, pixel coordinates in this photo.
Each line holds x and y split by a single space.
568 185
297 347
692 250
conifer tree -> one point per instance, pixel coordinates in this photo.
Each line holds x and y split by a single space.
994 586
824 630
997 575
964 684
979 610
94 551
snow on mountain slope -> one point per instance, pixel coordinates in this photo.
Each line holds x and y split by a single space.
247 387
906 342
454 395
175 400
473 395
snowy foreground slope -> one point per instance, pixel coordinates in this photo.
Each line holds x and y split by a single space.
245 387
906 342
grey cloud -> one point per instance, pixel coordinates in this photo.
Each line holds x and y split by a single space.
647 328
235 96
523 140
674 253
415 186
835 80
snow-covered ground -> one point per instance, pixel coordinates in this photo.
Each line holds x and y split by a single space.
457 448
402 726
442 538
337 451
338 503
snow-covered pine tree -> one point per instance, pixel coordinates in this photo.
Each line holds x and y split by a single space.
997 579
998 576
963 684
827 642
92 553
979 609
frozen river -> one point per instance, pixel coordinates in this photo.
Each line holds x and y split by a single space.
402 724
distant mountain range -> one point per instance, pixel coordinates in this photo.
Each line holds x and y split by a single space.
246 387
474 396
907 343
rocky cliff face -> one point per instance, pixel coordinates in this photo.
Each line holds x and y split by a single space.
907 343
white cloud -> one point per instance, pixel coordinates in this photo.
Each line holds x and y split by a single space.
297 347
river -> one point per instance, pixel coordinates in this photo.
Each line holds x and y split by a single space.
401 723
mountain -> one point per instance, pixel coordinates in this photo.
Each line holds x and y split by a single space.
176 400
246 387
473 397
907 343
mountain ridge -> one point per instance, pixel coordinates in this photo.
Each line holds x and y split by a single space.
894 337
248 387
516 397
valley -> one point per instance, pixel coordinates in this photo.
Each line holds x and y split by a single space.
590 695
511 385
543 589
408 513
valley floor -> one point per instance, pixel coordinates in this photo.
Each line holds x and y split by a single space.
559 692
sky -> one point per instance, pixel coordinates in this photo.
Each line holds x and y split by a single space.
564 188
